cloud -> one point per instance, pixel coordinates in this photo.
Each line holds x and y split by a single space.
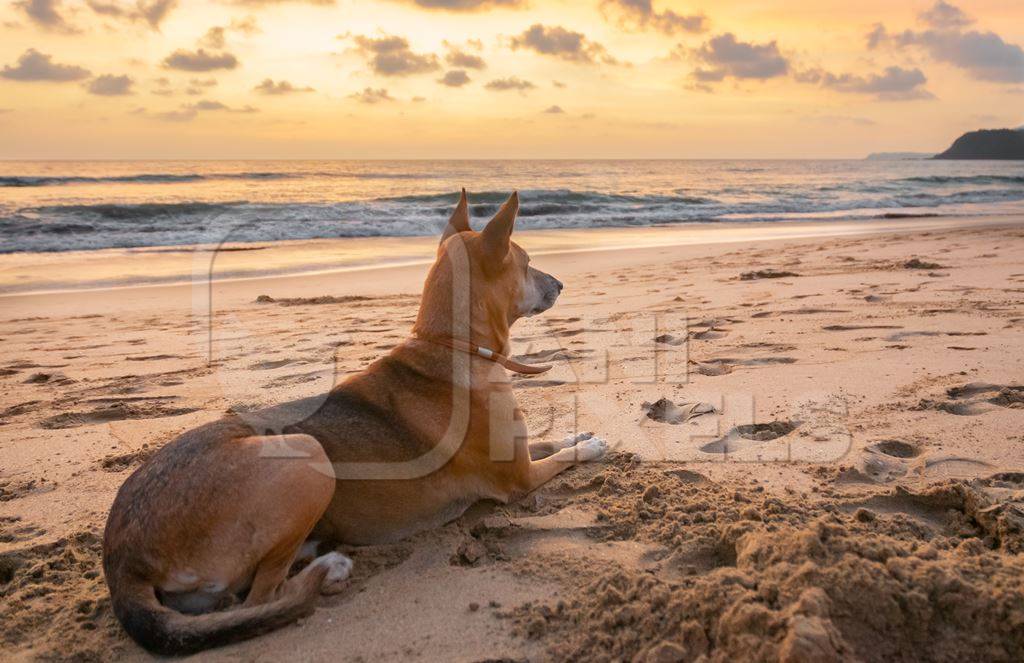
189 112
247 26
155 11
217 106
391 56
163 86
45 13
640 14
268 86
198 86
36 66
457 57
464 5
214 38
111 9
372 96
152 12
983 55
894 84
561 43
454 78
725 56
109 85
199 60
510 83
553 110
708 75
265 3
185 115
844 119
943 15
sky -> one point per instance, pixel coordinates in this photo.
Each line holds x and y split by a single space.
502 79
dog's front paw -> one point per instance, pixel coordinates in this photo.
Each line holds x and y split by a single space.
573 440
339 568
591 448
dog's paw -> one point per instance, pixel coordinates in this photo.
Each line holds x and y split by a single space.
307 551
338 567
572 440
591 448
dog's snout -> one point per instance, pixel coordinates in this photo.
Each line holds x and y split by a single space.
558 284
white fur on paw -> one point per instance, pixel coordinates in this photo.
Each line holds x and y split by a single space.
307 551
338 569
573 440
591 448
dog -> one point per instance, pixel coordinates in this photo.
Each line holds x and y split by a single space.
219 516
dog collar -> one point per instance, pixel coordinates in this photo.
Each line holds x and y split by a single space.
488 354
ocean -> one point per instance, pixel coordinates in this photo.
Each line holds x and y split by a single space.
70 206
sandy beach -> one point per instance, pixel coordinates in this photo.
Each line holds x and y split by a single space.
816 432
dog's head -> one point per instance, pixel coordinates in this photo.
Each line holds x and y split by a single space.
503 287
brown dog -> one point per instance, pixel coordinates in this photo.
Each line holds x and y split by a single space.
220 514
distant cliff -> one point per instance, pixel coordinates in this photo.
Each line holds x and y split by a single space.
987 144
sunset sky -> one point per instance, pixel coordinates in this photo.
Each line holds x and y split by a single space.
161 79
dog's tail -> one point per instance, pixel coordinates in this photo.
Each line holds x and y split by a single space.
162 630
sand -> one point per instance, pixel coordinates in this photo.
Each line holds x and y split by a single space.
818 450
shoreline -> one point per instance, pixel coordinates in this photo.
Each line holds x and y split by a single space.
186 265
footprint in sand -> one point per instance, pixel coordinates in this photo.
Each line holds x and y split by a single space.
976 398
882 462
153 357
123 461
15 410
858 327
1011 480
118 411
48 378
13 489
13 531
917 263
525 382
688 476
667 412
899 336
725 365
806 311
271 364
951 467
749 435
766 274
710 333
543 356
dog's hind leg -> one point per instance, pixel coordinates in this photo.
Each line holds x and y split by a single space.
325 572
289 516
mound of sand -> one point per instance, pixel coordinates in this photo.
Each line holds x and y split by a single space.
743 576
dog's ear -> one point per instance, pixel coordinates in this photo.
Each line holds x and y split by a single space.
459 221
498 232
